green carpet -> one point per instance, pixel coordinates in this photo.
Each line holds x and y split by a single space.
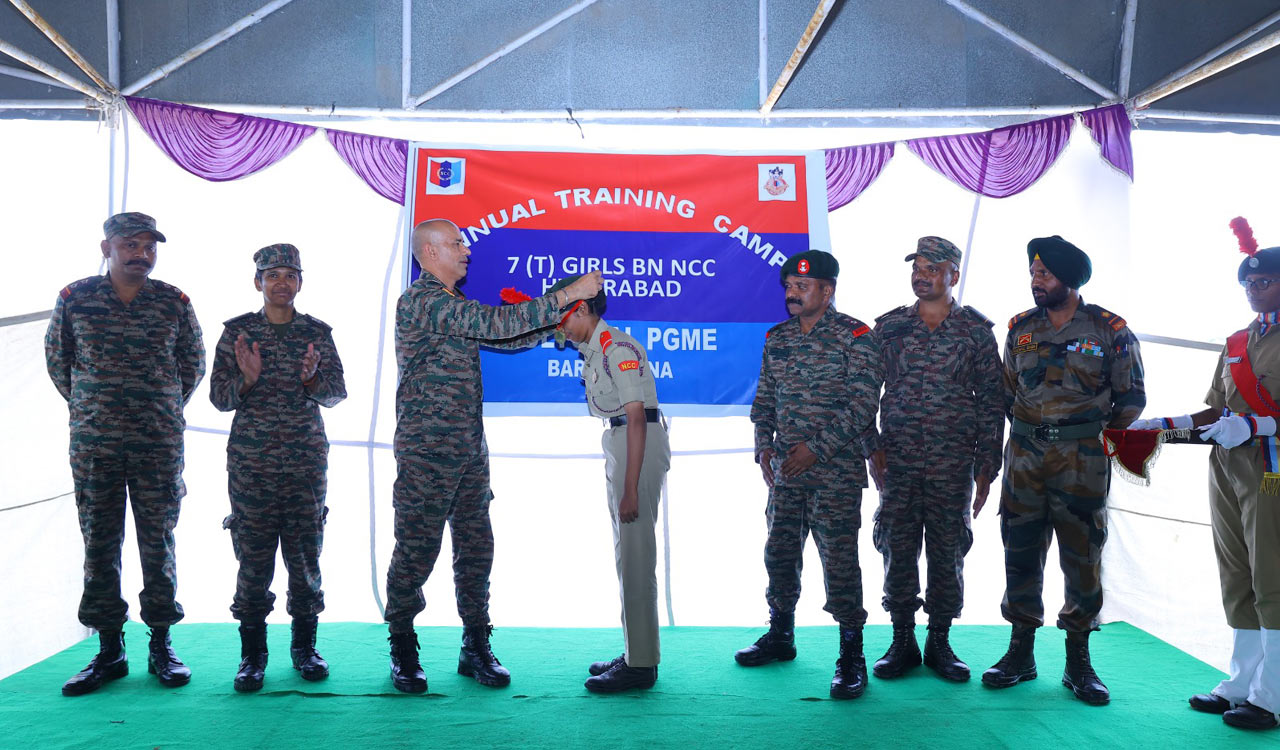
702 699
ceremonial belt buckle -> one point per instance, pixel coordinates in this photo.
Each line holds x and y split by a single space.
1046 432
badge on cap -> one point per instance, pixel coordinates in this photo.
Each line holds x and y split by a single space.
802 267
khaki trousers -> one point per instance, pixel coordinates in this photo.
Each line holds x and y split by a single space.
634 544
1246 538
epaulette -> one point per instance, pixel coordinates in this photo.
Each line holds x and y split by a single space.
979 316
856 327
76 286
317 322
606 340
1115 321
173 289
894 311
1015 320
240 318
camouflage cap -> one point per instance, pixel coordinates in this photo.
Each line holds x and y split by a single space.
275 256
936 249
817 264
127 225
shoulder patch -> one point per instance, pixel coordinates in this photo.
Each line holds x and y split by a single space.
629 364
1115 321
76 286
979 316
606 340
860 330
1021 317
175 291
240 319
894 311
318 323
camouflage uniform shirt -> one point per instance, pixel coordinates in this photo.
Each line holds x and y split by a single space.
277 427
439 401
821 389
1090 371
125 370
943 406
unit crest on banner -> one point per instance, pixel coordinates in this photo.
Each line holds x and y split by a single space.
445 175
777 182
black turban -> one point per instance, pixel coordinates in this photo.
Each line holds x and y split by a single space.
1063 259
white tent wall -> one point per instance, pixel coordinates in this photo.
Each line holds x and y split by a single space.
1161 239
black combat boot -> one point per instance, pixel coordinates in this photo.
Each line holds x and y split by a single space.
1079 674
903 653
476 658
111 663
938 655
163 662
302 649
779 644
406 670
1018 663
253 657
851 668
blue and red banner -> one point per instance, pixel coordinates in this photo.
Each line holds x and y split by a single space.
690 246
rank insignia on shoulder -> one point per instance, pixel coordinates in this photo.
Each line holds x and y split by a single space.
630 364
1020 317
861 330
606 339
1024 339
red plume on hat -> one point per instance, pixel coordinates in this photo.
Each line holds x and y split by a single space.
513 296
1244 233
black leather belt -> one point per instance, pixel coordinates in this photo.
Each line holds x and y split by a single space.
650 415
1053 432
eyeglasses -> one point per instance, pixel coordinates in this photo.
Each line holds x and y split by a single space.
1261 284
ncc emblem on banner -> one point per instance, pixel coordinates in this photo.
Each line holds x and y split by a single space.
445 176
777 182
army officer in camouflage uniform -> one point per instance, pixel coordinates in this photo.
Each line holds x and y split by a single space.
1070 370
441 457
275 368
126 353
620 388
818 391
942 422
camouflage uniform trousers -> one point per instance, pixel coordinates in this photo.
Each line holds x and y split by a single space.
155 491
915 509
270 510
430 490
1054 487
834 517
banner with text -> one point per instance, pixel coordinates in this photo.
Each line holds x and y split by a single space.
690 246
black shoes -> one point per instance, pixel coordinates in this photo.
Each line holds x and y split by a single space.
903 653
476 658
253 657
600 667
1018 663
1210 703
302 650
163 662
1248 716
619 677
406 670
939 657
850 680
779 644
1079 674
110 663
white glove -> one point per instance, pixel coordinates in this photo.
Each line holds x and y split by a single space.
1156 423
1232 431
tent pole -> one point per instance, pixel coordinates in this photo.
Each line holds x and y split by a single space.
205 46
1216 51
8 70
802 48
1213 67
764 51
968 248
504 50
1035 51
406 52
1177 114
1126 46
113 43
51 71
61 43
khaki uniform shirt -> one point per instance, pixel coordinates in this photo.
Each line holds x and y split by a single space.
1264 355
616 372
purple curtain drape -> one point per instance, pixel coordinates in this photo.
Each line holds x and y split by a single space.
997 163
380 162
217 146
1110 127
851 169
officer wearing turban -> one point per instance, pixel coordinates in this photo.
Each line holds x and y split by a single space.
1070 370
819 390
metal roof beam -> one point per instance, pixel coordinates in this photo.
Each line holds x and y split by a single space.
50 71
503 51
1211 68
61 43
1217 51
27 75
1034 50
203 47
1126 46
802 48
